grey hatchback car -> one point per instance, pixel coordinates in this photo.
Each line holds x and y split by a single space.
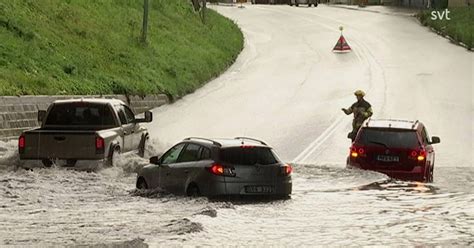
218 167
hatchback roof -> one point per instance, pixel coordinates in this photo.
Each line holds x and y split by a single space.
391 123
228 142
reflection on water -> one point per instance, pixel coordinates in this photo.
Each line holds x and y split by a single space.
397 186
330 206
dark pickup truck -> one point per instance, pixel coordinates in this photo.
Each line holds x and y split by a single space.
84 133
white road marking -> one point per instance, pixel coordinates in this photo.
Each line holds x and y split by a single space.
319 141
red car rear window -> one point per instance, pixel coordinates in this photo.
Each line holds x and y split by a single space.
391 138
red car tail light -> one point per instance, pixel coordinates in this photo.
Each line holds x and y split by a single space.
356 151
99 145
419 155
21 144
220 170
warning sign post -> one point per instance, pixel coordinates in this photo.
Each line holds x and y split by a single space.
341 45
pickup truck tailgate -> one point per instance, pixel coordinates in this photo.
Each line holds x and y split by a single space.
41 144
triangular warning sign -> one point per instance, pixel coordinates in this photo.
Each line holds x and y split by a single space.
342 45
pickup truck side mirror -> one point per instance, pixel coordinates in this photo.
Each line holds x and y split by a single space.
155 160
148 117
435 140
41 115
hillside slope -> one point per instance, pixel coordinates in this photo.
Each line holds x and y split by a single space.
93 47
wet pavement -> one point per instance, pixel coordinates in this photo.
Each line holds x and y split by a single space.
330 206
286 88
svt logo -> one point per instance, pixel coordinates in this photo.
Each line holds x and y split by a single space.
435 15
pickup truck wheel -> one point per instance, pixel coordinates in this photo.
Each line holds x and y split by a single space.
112 159
47 163
142 148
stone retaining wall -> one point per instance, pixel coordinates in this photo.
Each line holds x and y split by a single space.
20 113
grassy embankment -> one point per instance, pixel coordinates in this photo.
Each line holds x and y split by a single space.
460 27
93 47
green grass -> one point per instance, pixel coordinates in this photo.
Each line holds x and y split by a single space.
460 27
92 47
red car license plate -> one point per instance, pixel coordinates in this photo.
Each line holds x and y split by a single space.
385 158
258 189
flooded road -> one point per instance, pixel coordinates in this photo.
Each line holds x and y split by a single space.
289 96
330 206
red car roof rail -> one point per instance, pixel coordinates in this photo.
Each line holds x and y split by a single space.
247 138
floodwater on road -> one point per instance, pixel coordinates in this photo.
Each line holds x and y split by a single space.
330 206
287 88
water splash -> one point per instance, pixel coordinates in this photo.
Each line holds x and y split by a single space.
9 157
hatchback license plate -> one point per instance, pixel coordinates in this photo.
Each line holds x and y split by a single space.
258 189
384 158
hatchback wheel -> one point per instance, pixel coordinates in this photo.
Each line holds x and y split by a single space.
193 190
141 184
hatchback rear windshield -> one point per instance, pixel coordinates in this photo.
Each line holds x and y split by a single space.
248 156
389 137
80 114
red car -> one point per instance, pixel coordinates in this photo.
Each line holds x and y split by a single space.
398 148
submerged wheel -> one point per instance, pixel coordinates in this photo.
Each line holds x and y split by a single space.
47 163
430 175
112 159
141 184
193 190
142 148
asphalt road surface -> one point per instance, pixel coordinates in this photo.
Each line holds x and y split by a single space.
287 88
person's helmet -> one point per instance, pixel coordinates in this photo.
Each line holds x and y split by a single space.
359 93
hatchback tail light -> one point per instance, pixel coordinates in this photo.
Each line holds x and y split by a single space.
357 151
220 170
21 144
286 170
99 145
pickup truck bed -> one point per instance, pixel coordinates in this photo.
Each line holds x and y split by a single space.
85 129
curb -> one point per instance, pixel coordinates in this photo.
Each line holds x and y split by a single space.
446 36
371 11
440 33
